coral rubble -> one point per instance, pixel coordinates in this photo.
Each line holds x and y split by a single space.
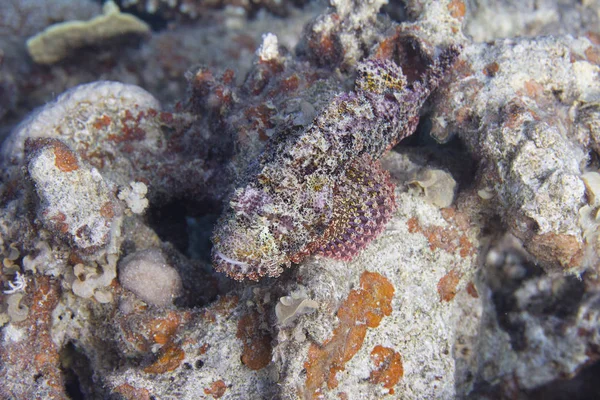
58 41
428 171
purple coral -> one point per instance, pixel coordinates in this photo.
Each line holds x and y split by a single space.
324 185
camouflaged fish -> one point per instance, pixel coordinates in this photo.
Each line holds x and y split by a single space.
323 191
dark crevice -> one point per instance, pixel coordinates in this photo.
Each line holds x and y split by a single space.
190 235
77 373
412 58
585 385
395 10
169 223
199 233
156 21
166 15
452 155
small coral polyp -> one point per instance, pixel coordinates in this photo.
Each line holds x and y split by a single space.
324 191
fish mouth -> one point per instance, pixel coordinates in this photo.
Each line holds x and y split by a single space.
235 269
240 270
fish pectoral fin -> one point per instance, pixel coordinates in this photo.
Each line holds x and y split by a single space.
364 201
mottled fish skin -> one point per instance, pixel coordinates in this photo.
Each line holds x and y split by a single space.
323 191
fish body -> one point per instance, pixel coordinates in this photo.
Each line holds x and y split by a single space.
323 191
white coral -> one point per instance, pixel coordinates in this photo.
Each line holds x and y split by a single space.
291 307
19 284
88 283
269 49
134 197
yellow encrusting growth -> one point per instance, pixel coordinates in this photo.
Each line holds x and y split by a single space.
59 40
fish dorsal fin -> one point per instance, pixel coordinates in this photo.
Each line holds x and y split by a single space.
363 203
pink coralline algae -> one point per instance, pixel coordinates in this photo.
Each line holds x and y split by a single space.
322 190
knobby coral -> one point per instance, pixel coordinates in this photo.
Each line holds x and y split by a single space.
322 190
60 40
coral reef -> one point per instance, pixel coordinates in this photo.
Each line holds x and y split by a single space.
531 153
88 117
166 55
38 376
75 202
523 297
427 169
21 19
489 20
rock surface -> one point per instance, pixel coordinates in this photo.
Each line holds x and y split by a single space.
482 282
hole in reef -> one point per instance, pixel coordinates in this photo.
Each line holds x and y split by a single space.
395 10
451 156
188 228
72 387
199 234
594 160
583 386
77 373
169 223
411 57
189 234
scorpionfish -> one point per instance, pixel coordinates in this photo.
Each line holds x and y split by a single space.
322 191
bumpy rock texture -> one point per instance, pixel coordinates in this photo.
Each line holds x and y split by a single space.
461 263
147 274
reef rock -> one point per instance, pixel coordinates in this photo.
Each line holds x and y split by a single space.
428 173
